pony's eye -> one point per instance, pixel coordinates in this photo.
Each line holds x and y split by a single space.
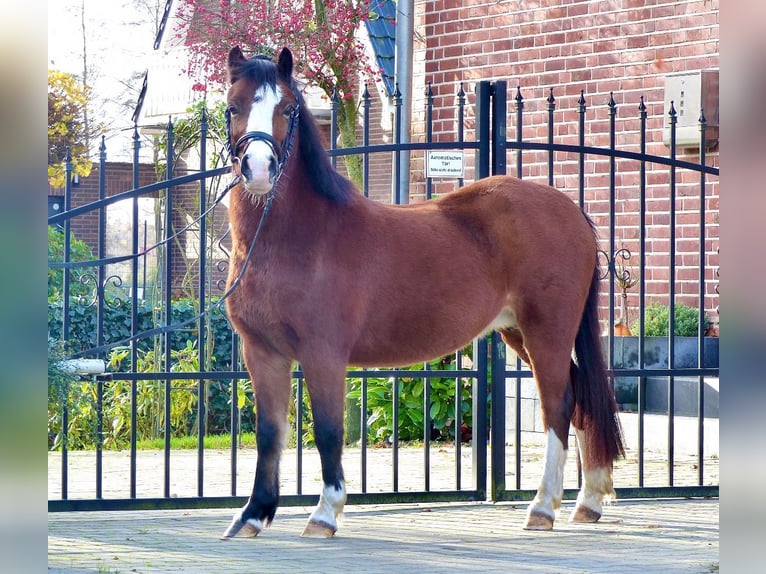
257 98
232 109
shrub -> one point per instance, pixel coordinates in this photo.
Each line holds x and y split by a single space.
117 326
380 423
656 321
79 251
61 385
81 395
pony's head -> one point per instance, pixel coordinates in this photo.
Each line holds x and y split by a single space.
262 117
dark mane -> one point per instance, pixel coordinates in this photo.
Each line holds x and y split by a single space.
327 181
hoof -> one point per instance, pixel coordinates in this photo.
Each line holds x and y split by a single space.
584 514
243 529
318 530
538 521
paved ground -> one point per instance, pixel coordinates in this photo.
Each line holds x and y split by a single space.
634 536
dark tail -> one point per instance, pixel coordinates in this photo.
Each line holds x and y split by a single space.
595 407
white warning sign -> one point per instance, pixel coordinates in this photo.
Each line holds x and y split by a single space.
443 163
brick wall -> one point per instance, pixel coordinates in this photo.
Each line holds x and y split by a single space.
599 46
380 173
118 179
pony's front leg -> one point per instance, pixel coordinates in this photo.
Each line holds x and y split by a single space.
271 385
326 385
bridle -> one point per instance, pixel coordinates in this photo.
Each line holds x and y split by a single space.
282 153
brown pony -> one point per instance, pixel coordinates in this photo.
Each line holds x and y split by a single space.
327 280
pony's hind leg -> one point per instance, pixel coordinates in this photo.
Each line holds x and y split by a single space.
541 513
597 486
326 385
271 384
596 422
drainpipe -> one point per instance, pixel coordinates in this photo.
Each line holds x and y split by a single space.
404 34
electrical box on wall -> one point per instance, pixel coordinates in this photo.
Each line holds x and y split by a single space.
691 92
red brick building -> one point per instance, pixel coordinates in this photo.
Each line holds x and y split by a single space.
119 224
628 47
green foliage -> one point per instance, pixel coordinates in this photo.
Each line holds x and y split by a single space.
117 325
58 378
656 321
61 384
187 133
78 277
82 395
150 403
380 423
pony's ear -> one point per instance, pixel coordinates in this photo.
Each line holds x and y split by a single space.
234 64
285 65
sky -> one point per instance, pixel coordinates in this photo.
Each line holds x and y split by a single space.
119 40
118 53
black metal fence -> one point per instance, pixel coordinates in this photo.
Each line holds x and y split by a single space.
643 368
473 464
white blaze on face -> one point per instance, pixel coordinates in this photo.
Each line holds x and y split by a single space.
258 157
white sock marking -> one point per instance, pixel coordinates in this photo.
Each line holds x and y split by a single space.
331 503
597 482
551 489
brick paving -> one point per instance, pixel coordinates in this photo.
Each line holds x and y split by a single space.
634 536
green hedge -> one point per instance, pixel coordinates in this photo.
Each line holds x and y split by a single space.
657 321
117 326
150 394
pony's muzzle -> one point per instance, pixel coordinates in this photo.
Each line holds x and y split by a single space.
258 167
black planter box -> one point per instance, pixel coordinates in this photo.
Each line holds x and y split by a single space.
686 389
656 352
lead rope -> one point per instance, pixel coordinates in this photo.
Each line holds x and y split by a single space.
286 150
266 210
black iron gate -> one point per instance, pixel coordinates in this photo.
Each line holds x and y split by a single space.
694 376
476 454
